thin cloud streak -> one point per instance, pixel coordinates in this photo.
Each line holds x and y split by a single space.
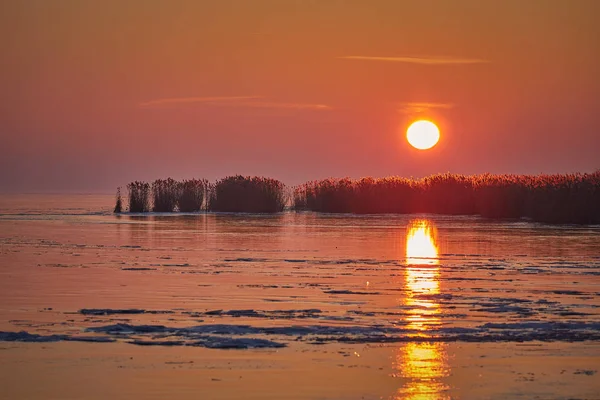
188 100
422 60
416 107
289 106
232 101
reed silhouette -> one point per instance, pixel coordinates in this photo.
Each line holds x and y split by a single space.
247 194
566 198
165 194
119 202
139 196
192 194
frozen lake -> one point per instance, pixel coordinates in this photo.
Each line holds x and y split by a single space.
295 305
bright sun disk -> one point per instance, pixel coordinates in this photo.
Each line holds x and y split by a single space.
423 134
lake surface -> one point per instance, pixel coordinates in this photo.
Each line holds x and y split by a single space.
296 305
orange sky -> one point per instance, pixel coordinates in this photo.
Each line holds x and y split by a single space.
97 93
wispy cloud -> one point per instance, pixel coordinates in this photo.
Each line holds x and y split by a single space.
416 107
231 101
289 106
421 60
187 100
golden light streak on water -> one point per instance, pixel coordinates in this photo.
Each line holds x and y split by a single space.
422 275
421 243
422 364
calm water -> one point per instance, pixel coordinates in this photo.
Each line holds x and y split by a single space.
416 288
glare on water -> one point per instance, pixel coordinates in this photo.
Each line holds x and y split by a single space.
421 243
422 274
423 364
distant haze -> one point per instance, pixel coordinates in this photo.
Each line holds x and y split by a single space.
94 94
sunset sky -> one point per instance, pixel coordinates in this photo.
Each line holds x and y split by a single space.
94 94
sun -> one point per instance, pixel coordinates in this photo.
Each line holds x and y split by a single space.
422 134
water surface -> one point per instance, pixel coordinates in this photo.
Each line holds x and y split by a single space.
412 291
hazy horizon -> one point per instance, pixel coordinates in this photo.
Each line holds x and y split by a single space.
97 94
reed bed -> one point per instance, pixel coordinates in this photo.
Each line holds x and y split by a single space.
165 194
231 194
192 194
569 198
566 198
247 194
139 196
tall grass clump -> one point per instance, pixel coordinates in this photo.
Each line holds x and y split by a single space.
247 194
503 196
363 196
451 194
192 194
570 198
324 196
119 203
165 194
139 196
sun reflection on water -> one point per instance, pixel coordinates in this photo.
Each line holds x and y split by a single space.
422 364
422 275
421 243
